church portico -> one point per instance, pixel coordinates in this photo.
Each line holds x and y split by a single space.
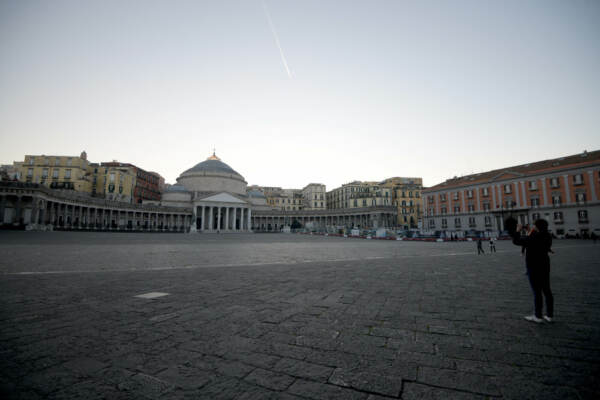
212 217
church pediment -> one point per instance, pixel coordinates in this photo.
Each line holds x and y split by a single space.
223 198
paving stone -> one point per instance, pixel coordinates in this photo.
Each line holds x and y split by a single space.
367 380
451 379
417 391
301 369
270 380
322 391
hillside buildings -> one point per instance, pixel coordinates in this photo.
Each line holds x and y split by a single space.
110 180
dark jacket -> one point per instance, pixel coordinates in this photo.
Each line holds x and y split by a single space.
537 246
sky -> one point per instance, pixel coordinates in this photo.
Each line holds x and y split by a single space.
295 92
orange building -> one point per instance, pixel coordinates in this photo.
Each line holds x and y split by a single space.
564 191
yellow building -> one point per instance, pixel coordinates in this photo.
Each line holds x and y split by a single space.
114 181
57 172
407 197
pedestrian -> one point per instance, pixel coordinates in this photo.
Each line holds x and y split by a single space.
492 245
537 246
480 247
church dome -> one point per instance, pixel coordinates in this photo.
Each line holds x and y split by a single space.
213 164
212 175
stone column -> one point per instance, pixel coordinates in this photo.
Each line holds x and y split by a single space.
249 220
226 218
523 194
202 218
219 218
210 219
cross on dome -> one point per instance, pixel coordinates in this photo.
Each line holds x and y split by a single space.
214 156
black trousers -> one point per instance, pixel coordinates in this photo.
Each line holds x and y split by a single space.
539 279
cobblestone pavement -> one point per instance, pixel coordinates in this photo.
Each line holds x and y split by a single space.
269 316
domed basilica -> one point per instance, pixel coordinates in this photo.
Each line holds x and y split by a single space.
217 195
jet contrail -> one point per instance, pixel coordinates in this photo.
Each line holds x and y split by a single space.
276 38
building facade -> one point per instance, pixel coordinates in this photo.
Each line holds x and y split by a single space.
57 172
564 191
407 198
314 197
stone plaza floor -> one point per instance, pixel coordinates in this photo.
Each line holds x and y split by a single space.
275 316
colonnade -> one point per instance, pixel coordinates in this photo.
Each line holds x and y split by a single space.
222 217
36 210
274 221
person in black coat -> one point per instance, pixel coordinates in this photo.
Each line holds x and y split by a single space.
537 246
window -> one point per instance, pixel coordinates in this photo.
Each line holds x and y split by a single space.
444 210
456 209
578 179
507 189
535 216
432 223
485 192
45 173
31 160
442 196
472 221
580 197
29 172
321 204
558 217
68 174
112 178
583 215
469 194
471 207
486 206
455 195
355 203
532 185
69 161
444 223
457 222
46 161
55 174
554 182
364 202
535 202
57 161
556 199
410 194
488 220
